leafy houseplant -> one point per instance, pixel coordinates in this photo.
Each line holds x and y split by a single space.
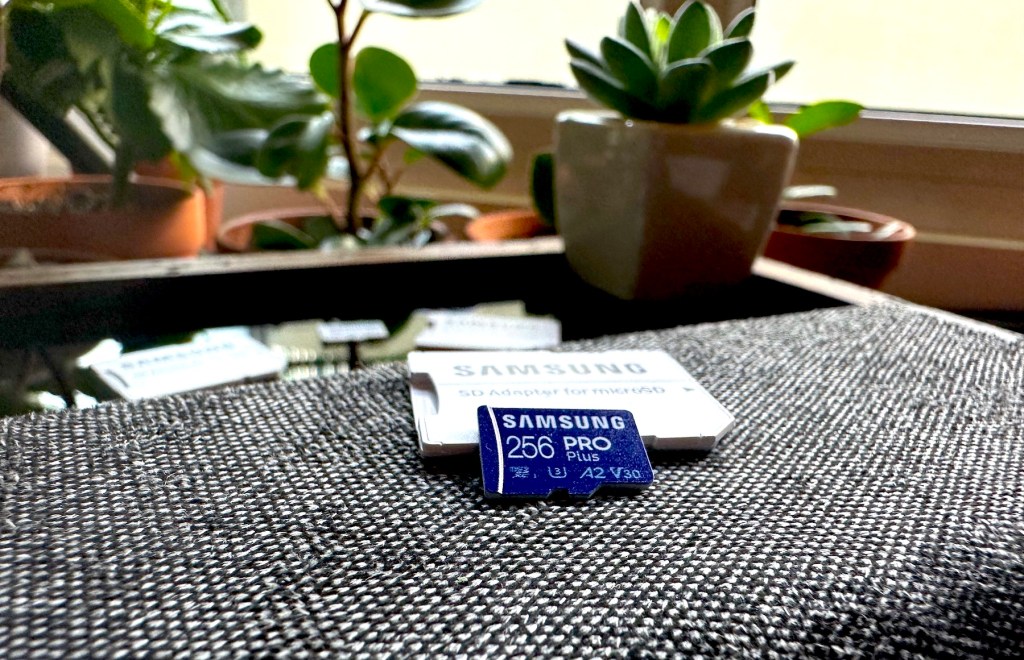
155 80
668 192
376 87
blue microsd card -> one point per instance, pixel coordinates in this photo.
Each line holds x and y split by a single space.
533 452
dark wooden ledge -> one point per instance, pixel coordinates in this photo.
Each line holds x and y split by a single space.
59 304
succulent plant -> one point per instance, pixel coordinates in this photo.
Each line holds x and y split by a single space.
681 69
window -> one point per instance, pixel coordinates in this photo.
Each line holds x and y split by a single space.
917 55
499 41
950 159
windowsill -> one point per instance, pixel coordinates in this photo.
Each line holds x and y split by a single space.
957 179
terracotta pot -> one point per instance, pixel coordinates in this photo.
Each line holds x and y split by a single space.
213 198
651 210
506 225
865 258
161 219
234 235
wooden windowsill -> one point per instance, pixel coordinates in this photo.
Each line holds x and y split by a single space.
63 304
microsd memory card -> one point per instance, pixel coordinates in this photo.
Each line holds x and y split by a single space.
534 452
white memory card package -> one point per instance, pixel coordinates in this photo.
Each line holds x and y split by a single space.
205 362
671 409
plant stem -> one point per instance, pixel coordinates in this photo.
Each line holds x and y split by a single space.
122 172
376 165
345 123
359 26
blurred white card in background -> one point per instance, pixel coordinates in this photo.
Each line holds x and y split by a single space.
461 331
343 332
204 362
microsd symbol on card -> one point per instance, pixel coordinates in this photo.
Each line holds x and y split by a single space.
534 452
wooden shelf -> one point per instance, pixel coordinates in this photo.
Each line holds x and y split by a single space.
61 304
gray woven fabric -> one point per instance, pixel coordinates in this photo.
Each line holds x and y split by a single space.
869 502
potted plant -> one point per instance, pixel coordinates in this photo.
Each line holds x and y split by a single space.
859 246
158 82
668 192
374 115
851 244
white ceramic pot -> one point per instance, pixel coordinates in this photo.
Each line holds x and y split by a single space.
653 211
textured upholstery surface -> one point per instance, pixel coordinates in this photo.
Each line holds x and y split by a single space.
870 501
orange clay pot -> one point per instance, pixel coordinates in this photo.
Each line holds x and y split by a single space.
214 204
506 225
161 218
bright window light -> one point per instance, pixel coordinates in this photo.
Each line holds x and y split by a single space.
920 55
501 40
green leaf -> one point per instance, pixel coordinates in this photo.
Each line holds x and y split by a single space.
279 235
578 52
220 9
128 19
323 67
634 28
681 87
608 91
402 220
542 186
319 227
464 141
733 99
197 100
420 8
660 34
742 25
208 34
207 160
811 119
630 66
90 39
696 27
383 82
779 71
40 66
139 128
819 222
239 146
759 110
411 156
298 147
729 58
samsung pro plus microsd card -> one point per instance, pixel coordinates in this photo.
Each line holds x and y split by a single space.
534 452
